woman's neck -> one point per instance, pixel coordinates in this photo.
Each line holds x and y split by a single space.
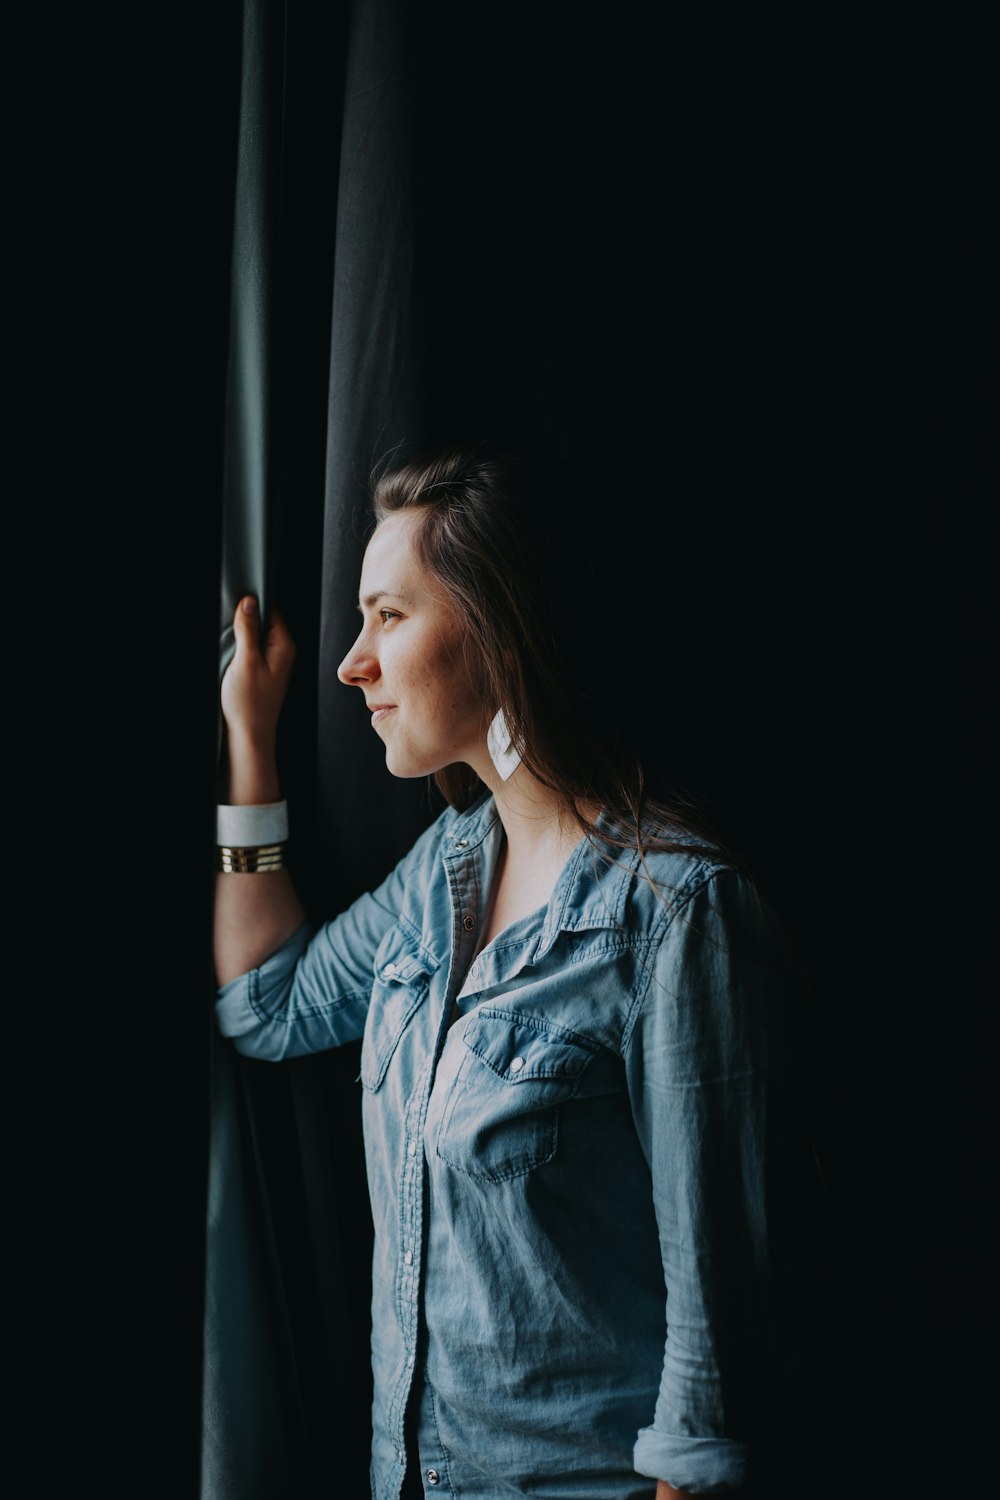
540 835
538 824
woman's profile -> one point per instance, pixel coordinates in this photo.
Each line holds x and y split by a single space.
573 1009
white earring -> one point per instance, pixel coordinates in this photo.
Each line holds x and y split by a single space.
501 747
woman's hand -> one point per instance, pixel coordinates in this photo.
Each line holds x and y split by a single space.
256 680
254 914
253 690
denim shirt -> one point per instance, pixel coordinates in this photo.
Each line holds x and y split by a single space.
568 1165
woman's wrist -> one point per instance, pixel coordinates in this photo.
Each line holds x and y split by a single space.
252 774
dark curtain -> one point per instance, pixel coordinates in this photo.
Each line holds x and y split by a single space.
747 305
253 1428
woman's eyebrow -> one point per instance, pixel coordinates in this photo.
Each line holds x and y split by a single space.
377 594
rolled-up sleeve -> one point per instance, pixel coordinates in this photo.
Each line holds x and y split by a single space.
313 992
703 1056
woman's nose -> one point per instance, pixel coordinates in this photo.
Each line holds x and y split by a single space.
359 665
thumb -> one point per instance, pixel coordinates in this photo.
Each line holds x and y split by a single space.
246 624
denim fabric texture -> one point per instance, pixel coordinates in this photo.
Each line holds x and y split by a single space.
568 1139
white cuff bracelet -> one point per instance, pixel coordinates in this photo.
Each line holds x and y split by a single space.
244 827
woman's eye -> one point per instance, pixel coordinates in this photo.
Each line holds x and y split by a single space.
387 615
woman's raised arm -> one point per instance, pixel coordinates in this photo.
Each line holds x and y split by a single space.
254 913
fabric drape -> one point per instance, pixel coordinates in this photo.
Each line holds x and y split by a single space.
252 1436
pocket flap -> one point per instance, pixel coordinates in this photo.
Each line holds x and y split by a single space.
401 968
401 979
519 1048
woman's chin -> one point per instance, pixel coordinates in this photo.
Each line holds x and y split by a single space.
405 767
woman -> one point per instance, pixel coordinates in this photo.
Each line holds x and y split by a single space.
574 1025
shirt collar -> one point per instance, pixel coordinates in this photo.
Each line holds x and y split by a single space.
592 888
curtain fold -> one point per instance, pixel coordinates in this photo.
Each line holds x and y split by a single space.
253 1435
248 432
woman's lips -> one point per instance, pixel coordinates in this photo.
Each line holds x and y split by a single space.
380 710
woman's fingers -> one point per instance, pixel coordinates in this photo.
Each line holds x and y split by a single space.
256 680
279 648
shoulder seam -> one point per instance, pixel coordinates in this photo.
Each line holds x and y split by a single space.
656 940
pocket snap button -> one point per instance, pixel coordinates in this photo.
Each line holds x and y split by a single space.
517 1063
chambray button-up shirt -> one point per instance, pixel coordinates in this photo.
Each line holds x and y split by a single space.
568 1145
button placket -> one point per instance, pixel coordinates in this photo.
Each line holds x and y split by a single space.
411 1183
464 892
432 1458
467 874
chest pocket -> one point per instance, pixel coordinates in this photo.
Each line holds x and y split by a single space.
402 976
501 1118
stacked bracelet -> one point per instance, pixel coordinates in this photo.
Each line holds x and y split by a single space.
253 859
251 840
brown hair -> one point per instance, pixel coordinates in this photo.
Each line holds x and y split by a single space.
484 538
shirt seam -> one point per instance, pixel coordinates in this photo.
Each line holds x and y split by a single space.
653 945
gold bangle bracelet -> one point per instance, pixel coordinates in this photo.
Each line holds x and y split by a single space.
254 859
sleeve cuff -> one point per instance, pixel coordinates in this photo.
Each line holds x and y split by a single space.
705 1466
237 1005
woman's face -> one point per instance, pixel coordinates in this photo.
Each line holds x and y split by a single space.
408 660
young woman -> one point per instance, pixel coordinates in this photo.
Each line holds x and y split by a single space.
574 1022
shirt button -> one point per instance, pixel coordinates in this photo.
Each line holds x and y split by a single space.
433 1477
468 923
410 1359
390 968
401 1456
411 1149
408 1257
461 843
516 1064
